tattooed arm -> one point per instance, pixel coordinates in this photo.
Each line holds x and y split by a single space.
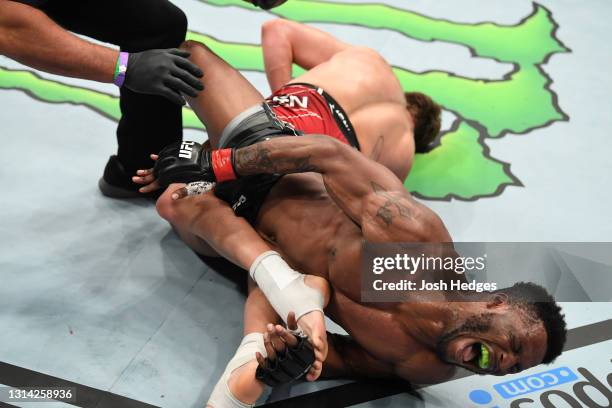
369 193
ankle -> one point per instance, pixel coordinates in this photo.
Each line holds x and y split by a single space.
243 385
320 284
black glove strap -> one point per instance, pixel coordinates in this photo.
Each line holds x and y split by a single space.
183 162
288 366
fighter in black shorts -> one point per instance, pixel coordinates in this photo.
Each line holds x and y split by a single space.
330 199
368 110
294 110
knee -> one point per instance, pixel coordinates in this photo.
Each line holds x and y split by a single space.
194 47
190 45
276 27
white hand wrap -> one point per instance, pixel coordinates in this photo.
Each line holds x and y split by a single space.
221 396
284 287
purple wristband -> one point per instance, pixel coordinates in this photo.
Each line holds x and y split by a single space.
122 63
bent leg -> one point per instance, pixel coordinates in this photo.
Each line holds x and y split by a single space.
285 42
206 222
207 218
226 92
374 100
356 77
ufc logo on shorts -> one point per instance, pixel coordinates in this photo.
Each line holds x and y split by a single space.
186 149
238 203
291 101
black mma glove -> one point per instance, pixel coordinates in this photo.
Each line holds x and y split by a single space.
166 73
186 162
290 365
267 4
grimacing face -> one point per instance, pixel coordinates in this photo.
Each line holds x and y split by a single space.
496 343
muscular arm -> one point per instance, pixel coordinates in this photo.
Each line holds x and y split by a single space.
369 193
286 42
347 359
27 35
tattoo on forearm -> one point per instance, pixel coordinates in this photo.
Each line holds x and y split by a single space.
392 202
256 159
253 158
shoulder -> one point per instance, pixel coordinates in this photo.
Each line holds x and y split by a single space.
383 111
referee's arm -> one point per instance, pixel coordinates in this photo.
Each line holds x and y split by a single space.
29 36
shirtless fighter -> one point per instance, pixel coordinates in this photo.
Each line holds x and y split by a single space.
315 199
370 111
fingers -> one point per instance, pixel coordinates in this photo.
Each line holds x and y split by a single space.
144 180
318 357
318 343
147 179
172 96
150 187
180 193
291 321
275 339
144 172
188 79
189 66
261 360
179 86
287 337
269 347
144 177
179 52
314 373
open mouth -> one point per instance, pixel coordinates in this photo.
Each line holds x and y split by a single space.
476 355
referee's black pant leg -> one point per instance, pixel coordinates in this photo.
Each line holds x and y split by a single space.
148 122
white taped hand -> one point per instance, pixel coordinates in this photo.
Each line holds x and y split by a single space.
284 287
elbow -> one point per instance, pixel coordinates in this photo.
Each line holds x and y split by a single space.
330 148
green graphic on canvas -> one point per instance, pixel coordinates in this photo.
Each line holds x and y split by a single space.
461 166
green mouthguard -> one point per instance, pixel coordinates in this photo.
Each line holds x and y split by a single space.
483 361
